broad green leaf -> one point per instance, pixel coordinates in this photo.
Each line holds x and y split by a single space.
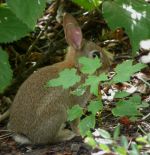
88 4
75 112
11 28
121 94
132 15
5 71
27 11
125 108
93 81
125 70
89 65
95 106
86 124
105 134
66 79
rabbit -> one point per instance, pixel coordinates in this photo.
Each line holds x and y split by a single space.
38 113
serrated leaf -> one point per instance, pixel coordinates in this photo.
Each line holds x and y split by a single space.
75 112
11 28
95 106
93 82
89 65
88 4
86 124
105 134
121 94
66 79
5 71
125 108
27 11
125 70
132 15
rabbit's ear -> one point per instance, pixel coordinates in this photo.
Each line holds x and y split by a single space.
73 33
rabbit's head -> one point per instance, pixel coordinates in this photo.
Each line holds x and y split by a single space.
78 46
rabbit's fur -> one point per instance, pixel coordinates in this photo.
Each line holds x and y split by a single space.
38 113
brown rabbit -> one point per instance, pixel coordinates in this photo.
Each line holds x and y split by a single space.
38 114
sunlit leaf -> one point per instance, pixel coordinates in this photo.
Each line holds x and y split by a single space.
66 79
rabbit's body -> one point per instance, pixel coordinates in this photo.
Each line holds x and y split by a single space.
38 112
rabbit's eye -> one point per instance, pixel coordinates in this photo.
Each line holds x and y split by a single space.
95 53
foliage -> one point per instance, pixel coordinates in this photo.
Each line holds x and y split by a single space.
131 15
67 78
108 143
17 19
125 70
27 11
5 71
129 107
88 4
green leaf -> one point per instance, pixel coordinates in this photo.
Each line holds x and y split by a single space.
95 106
5 71
136 99
124 142
105 134
90 141
104 147
66 79
88 4
121 94
135 150
121 150
125 108
125 70
27 11
93 81
142 139
89 65
11 28
132 15
116 132
75 112
86 124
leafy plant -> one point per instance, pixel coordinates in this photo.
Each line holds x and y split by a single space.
108 143
129 107
88 4
5 71
131 15
17 19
